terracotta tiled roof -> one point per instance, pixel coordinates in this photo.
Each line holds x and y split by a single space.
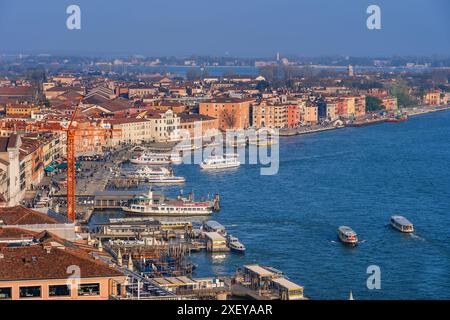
47 262
19 215
226 100
15 233
16 91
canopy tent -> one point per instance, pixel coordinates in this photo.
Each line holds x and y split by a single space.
49 169
64 165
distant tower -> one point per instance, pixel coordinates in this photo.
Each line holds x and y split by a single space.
350 296
350 70
278 56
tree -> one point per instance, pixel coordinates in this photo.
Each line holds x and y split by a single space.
401 92
374 104
262 86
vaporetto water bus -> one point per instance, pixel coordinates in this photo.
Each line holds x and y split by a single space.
347 235
402 224
156 175
158 204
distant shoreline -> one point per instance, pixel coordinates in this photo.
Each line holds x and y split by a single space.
411 113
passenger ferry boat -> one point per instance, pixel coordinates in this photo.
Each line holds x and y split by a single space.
152 204
402 224
151 159
220 162
187 147
347 235
398 117
176 158
235 245
158 175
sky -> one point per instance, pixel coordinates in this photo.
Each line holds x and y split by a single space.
246 28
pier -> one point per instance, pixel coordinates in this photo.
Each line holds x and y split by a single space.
113 199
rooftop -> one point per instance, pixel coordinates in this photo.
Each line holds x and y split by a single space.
19 215
49 262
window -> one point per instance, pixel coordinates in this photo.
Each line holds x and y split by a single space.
30 292
89 289
5 293
62 290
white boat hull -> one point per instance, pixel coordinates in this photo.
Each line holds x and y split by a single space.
164 181
150 163
167 212
218 166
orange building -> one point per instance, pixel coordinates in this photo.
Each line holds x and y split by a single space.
273 116
293 116
90 138
207 124
21 109
233 113
432 98
310 115
390 103
360 106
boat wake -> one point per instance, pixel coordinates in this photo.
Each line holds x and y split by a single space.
415 236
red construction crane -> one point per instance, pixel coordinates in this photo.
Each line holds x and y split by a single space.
71 178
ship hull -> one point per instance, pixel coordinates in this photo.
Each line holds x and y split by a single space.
166 213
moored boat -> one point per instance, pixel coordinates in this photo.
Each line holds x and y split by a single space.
151 159
235 245
402 224
347 235
220 162
398 117
152 204
396 120
157 175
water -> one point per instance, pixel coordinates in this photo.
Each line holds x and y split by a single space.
354 176
240 70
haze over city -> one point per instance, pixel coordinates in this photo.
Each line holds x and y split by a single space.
236 28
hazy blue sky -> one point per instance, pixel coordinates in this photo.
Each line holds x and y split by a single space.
236 27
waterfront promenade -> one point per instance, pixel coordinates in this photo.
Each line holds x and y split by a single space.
368 120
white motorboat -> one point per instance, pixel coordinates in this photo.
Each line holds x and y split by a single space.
151 159
220 162
158 175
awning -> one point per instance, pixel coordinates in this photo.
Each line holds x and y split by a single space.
49 169
64 165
